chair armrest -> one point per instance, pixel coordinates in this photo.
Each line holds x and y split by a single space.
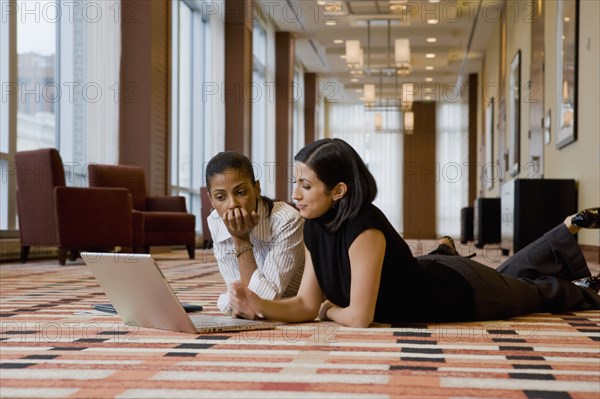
166 204
93 217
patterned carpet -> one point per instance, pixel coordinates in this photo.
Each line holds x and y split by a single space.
52 345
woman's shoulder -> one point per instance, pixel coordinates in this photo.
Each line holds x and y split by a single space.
284 213
369 217
369 213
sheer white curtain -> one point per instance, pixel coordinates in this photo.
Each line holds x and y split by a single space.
103 58
214 85
452 159
382 151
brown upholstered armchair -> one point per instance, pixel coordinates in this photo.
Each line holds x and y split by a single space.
156 220
71 218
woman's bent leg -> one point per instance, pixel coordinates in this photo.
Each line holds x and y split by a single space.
555 254
498 296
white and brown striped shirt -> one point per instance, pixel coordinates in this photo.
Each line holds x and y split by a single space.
278 250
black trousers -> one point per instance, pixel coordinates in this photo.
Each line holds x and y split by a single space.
535 279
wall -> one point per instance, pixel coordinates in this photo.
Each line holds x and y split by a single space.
580 159
490 86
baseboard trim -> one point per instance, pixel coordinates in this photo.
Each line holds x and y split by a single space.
591 253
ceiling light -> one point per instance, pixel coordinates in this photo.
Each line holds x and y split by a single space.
431 40
338 41
402 56
407 96
331 22
429 68
427 98
409 122
353 53
433 21
369 91
429 79
354 80
429 55
378 121
343 57
434 1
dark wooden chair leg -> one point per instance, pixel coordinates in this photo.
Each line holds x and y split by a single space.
62 255
146 249
191 249
24 253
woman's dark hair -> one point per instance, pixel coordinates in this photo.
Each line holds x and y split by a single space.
335 161
231 160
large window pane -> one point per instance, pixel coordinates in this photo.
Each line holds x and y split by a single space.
187 135
37 75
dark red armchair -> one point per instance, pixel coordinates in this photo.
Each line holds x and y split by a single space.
156 220
71 218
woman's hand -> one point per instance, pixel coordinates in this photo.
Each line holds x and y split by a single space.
239 222
244 303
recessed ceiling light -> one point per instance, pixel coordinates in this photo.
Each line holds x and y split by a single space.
429 68
343 56
431 40
434 1
567 19
331 22
354 80
433 21
429 55
429 79
427 98
338 41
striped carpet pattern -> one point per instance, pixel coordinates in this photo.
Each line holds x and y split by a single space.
53 345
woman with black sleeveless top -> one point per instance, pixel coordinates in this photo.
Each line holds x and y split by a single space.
367 273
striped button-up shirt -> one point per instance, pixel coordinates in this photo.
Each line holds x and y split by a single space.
278 248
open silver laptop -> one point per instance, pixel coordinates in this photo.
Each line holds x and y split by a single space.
142 296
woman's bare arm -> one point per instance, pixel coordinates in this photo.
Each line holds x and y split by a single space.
303 307
366 261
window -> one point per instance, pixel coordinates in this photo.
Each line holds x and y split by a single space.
452 158
259 97
298 113
37 71
188 107
382 151
51 95
263 105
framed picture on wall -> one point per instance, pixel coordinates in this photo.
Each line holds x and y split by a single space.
514 115
567 15
490 167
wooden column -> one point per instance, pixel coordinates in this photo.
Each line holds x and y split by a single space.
238 76
284 107
144 91
311 101
473 175
419 175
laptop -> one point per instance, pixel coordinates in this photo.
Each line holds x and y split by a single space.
142 296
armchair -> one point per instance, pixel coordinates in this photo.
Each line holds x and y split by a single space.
71 218
156 220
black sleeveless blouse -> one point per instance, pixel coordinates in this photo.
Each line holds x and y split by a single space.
410 290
